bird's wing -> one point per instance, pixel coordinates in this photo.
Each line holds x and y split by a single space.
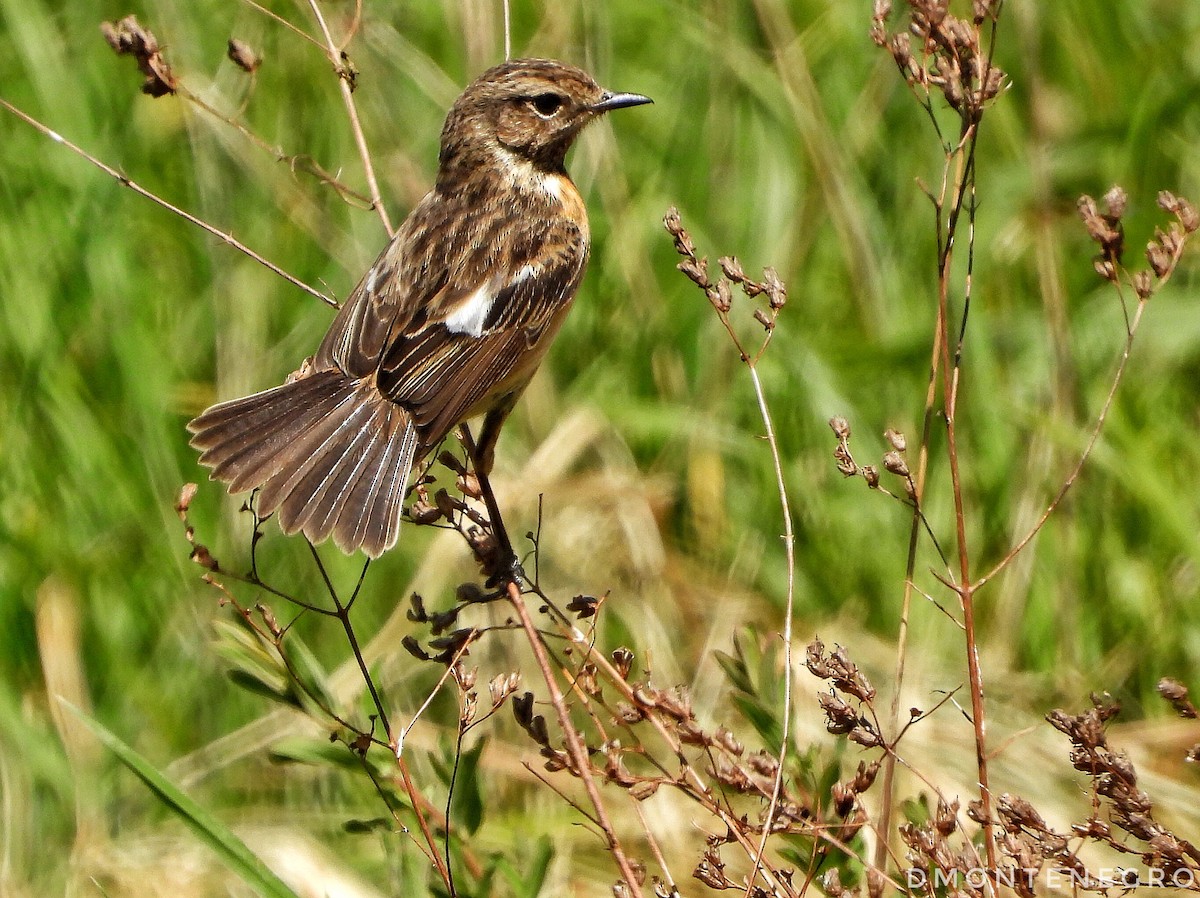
482 343
458 309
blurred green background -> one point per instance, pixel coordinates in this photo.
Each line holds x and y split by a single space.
785 137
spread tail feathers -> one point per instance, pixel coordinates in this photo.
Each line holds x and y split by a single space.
328 452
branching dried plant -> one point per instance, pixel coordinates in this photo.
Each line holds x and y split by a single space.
777 821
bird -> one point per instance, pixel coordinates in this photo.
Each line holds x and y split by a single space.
450 322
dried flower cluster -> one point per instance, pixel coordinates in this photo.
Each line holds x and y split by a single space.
1122 816
128 37
720 291
941 52
1163 251
893 461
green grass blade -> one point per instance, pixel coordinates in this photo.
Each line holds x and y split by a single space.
232 850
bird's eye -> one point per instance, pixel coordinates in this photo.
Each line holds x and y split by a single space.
546 105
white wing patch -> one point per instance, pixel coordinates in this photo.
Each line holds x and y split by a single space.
469 317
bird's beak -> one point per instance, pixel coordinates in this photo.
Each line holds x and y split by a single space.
610 101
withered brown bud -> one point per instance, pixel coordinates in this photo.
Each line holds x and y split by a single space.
843 799
623 659
1181 209
1159 257
864 736
674 225
726 740
896 440
469 592
184 501
201 556
764 319
449 460
720 295
424 512
1115 200
128 37
839 716
1177 694
243 56
894 463
1143 285
776 290
696 271
501 686
643 789
1105 268
841 427
871 475
732 268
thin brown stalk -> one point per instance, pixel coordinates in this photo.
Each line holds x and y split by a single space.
285 23
789 543
574 746
1101 418
126 181
360 139
888 782
295 162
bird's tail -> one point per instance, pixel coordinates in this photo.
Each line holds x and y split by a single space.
329 452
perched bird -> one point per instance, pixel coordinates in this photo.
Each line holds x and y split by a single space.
450 322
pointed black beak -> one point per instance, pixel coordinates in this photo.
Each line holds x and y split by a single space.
610 101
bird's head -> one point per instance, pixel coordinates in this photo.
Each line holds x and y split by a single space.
530 108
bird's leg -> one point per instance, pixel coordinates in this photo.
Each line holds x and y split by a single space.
482 455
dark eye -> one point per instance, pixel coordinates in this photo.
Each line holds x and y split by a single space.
546 105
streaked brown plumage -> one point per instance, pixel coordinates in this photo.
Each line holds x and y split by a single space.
450 322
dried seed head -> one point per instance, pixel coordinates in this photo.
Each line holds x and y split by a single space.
1159 257
696 271
184 501
1104 229
623 660
896 439
1181 209
128 37
726 740
776 290
732 268
683 240
1177 694
1143 285
894 463
871 475
243 56
720 295
841 427
839 716
201 556
1115 200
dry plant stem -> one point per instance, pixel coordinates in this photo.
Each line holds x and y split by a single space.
882 847
574 745
951 378
284 22
507 30
701 793
335 57
342 613
1083 457
187 216
789 543
655 848
426 832
294 162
